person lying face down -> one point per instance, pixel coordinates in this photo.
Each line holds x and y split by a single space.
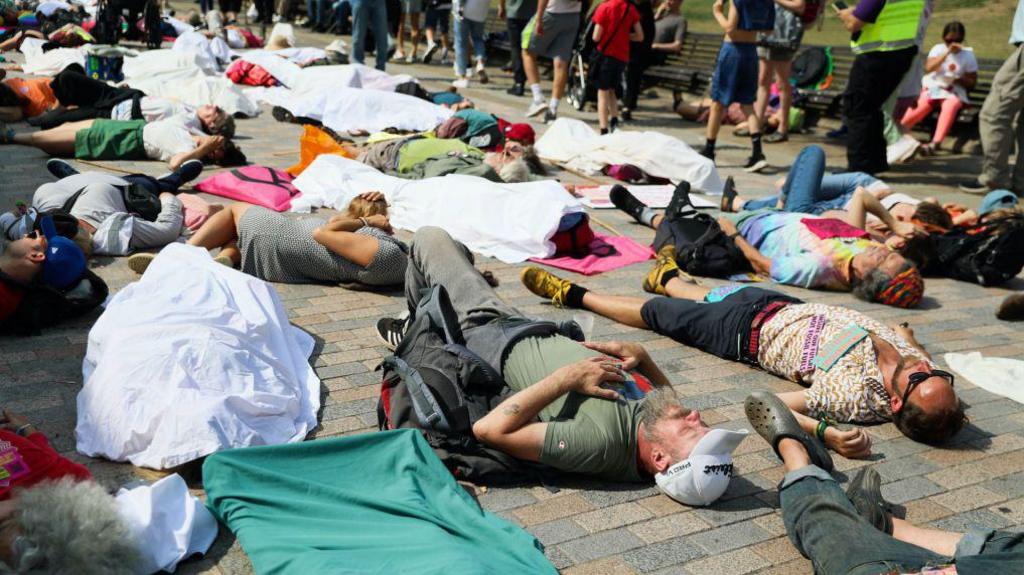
166 140
575 407
856 370
417 158
356 247
53 517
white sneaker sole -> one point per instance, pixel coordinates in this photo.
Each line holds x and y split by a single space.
757 167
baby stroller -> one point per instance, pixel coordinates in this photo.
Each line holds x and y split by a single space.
580 90
119 19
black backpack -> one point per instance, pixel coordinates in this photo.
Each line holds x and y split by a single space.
986 254
434 383
702 248
44 306
138 201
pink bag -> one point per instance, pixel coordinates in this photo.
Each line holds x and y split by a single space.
196 210
257 185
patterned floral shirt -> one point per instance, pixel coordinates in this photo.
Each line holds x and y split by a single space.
851 390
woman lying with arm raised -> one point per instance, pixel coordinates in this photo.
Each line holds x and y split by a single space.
355 247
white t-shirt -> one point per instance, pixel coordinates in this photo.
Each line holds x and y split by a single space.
564 6
155 109
940 82
475 10
167 138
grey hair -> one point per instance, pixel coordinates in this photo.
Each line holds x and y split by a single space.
70 527
515 171
660 404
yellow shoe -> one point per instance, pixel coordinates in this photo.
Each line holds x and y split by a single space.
139 262
665 263
545 284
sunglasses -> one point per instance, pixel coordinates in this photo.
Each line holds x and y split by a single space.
917 378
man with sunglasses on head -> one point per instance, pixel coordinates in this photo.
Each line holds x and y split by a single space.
855 369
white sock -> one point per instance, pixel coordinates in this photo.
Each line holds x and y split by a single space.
538 94
553 105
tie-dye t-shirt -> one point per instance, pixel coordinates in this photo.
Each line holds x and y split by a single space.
799 257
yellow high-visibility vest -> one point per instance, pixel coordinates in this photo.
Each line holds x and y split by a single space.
894 29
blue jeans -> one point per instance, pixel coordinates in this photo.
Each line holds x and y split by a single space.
315 12
370 13
466 29
825 526
809 191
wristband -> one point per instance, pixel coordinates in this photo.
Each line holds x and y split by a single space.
21 429
733 236
365 223
820 430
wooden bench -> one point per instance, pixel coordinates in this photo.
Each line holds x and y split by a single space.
692 68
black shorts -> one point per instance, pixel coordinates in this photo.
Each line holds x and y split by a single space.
608 75
720 328
230 6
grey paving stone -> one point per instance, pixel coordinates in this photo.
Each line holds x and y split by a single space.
909 489
904 467
663 554
502 499
730 537
734 510
963 522
559 531
600 545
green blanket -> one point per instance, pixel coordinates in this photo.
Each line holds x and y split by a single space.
374 503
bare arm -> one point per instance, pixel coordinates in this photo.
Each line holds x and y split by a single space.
968 80
903 330
728 24
512 427
339 236
204 145
863 202
850 22
761 263
932 64
596 36
637 33
854 443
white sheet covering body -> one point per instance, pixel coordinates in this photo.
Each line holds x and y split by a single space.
511 222
578 146
345 109
212 54
999 375
50 63
169 523
191 359
176 75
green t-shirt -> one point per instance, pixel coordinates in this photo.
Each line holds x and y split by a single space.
585 434
418 150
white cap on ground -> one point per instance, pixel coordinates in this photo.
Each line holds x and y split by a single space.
704 476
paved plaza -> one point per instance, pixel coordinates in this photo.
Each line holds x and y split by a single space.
590 527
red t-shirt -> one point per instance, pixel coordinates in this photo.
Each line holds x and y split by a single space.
616 18
25 461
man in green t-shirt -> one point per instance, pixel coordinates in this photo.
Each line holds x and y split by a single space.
577 407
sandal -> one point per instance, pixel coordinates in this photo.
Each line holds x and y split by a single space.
770 418
728 195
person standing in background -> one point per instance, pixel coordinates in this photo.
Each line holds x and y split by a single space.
883 39
640 57
551 33
616 24
775 53
470 19
372 14
438 19
1004 102
410 15
669 31
517 15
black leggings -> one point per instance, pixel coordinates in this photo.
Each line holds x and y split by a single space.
92 98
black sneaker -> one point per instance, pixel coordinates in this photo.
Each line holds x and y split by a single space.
728 194
680 200
865 492
189 171
516 90
550 116
391 330
973 187
756 163
60 168
613 125
626 202
282 114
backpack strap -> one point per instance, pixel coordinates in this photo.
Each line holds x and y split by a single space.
492 379
427 408
70 203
